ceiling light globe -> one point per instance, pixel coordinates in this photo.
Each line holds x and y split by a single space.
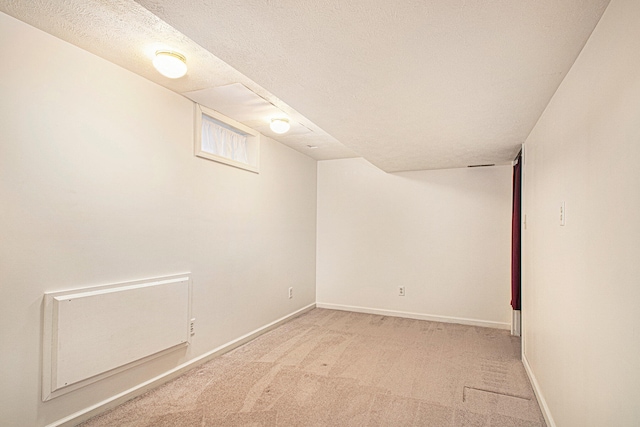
170 64
280 126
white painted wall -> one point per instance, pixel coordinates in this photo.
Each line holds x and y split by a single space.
581 291
443 234
99 184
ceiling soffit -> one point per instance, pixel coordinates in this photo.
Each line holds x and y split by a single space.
127 34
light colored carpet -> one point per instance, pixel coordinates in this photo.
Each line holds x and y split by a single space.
335 368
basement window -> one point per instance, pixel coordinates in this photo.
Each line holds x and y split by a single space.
224 140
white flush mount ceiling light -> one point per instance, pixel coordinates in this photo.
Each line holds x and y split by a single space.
280 125
170 64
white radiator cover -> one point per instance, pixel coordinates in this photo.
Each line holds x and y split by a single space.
94 332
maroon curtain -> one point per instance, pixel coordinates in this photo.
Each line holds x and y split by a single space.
515 235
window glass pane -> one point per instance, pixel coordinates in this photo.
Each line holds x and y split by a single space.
218 139
224 140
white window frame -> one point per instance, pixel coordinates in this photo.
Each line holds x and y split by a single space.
253 140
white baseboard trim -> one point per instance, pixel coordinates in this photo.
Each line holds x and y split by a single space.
418 316
536 389
139 389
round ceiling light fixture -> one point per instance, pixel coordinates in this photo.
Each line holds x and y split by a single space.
280 125
170 64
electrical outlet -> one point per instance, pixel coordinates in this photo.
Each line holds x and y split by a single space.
401 291
192 326
290 293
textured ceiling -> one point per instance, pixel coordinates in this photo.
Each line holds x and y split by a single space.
412 84
409 85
